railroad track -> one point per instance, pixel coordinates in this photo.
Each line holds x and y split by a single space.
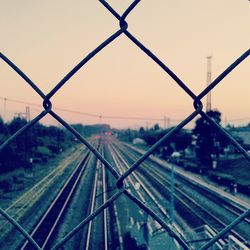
115 231
207 214
191 202
43 232
133 179
107 230
98 233
97 228
145 193
235 208
20 207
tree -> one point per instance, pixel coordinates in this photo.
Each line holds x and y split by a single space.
141 132
209 139
2 126
39 143
23 143
156 127
3 131
16 124
182 140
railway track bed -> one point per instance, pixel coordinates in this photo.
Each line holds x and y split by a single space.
90 184
34 201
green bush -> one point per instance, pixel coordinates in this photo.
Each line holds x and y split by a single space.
43 151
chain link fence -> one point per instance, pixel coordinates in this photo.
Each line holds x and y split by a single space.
121 189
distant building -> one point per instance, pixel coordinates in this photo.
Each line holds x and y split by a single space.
139 141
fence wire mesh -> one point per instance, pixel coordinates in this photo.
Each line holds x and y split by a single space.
121 189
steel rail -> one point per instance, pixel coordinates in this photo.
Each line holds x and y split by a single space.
105 211
226 230
121 162
120 168
148 191
98 191
203 217
53 214
18 208
235 208
92 206
206 216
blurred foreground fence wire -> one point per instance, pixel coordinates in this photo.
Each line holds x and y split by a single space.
121 189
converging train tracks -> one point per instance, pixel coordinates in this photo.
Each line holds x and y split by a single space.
198 206
97 232
84 190
89 185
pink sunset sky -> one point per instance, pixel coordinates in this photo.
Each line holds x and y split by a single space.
46 39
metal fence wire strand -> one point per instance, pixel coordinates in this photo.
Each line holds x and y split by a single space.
121 189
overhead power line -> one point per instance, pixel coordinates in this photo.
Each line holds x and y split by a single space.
5 99
88 114
239 119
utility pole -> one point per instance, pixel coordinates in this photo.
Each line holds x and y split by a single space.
166 122
209 80
27 113
4 108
